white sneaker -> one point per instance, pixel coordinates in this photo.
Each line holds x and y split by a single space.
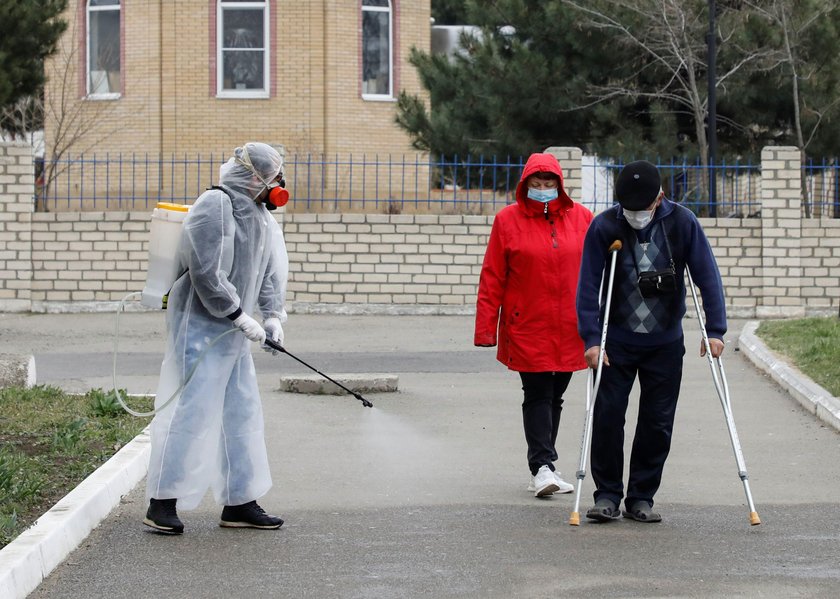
562 485
544 482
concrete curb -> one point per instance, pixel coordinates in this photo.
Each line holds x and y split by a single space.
359 383
810 395
17 370
27 560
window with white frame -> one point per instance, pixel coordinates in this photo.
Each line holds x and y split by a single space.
242 40
377 50
103 48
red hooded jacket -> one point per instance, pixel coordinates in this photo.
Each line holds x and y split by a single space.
529 279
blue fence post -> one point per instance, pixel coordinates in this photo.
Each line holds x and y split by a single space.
376 175
402 182
455 181
350 178
119 181
82 180
444 164
146 181
69 174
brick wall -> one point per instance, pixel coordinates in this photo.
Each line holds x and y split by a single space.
17 205
385 259
820 265
169 106
781 239
772 266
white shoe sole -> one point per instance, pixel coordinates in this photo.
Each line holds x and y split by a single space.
564 487
548 489
228 524
159 527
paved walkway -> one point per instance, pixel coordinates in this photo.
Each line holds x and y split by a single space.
424 495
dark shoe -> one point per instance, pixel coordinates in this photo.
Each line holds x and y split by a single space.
604 510
162 516
248 515
642 511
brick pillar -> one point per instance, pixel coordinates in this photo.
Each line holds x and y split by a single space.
569 159
781 233
17 193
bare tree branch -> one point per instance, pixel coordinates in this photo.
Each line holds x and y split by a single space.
74 121
673 38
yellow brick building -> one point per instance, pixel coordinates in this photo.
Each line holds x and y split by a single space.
181 77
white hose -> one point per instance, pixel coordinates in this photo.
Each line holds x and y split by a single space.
179 389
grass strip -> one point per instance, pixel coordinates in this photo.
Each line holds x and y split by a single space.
811 344
50 442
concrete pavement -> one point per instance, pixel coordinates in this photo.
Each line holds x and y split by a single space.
424 495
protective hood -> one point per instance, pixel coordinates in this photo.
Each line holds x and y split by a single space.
542 163
252 167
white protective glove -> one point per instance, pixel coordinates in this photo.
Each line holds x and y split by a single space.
273 331
252 329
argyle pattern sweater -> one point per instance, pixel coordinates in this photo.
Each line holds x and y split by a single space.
635 319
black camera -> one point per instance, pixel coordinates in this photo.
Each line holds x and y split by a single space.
656 283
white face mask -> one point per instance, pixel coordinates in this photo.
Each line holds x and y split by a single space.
639 219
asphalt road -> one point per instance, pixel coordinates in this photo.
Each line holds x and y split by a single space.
424 495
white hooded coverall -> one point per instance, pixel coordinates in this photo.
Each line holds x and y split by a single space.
212 435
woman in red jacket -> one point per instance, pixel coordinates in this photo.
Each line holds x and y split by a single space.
527 293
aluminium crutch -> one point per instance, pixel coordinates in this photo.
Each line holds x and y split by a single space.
722 388
592 388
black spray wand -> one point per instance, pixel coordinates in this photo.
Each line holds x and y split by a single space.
280 348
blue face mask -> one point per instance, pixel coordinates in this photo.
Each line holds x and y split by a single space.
542 195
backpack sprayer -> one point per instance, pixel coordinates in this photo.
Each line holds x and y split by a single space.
162 272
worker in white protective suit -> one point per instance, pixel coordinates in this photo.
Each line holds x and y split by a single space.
212 435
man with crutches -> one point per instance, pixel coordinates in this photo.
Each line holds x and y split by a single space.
658 240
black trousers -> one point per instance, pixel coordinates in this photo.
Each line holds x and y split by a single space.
659 370
541 410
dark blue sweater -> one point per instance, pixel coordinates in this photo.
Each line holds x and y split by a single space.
635 319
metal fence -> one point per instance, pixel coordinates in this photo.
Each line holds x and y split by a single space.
737 185
396 184
821 189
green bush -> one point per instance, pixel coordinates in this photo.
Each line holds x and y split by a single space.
105 404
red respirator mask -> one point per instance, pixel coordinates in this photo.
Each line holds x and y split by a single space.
277 195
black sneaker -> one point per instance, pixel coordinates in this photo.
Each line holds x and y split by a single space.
248 515
162 516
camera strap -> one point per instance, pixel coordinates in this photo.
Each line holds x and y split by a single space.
667 245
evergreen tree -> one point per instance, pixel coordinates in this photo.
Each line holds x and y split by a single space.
795 98
29 32
519 86
449 12
616 78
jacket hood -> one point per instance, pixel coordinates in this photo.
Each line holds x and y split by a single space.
251 168
542 163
